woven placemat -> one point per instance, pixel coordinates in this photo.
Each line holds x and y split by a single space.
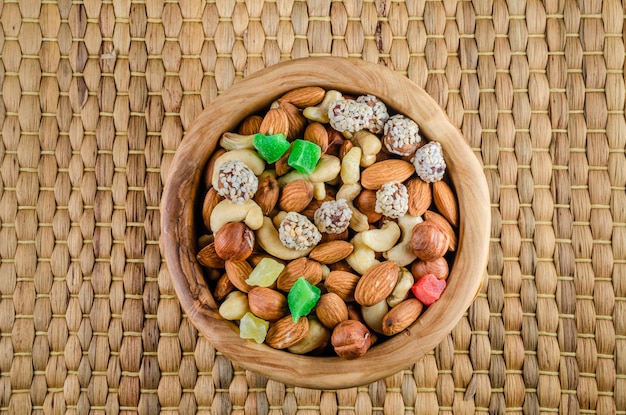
97 95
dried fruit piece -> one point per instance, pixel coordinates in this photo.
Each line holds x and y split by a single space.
270 147
253 328
428 289
265 273
304 156
302 298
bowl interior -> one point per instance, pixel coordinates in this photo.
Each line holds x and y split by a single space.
179 218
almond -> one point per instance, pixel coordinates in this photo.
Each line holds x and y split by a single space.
250 125
297 122
446 202
267 304
223 287
208 169
331 310
267 194
420 196
377 283
296 196
365 202
285 333
274 122
307 96
301 267
209 258
282 164
379 173
238 272
401 316
445 225
344 148
329 237
211 199
342 283
316 133
331 252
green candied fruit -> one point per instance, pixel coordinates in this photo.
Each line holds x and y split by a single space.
265 273
270 147
302 298
253 328
304 156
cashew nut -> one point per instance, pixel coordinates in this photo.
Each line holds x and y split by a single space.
402 254
362 257
268 239
290 177
249 157
350 169
278 218
370 144
374 314
226 211
319 191
315 338
349 192
383 239
234 306
327 169
320 112
233 141
402 288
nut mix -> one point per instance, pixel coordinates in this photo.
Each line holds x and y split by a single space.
327 224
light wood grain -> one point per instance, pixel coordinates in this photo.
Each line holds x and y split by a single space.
257 92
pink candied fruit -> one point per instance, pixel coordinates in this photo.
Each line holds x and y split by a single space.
428 289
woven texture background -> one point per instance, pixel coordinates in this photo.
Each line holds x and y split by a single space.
97 95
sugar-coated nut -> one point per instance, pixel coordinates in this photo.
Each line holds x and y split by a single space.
380 114
245 155
234 241
392 200
234 306
297 232
236 181
401 135
333 216
429 162
429 241
351 339
348 115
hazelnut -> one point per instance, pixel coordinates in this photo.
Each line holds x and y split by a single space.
438 267
429 241
351 339
234 241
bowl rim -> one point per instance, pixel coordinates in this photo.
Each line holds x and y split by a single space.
256 92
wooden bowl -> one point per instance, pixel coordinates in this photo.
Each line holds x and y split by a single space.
179 210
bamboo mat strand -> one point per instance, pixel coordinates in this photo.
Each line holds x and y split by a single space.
96 96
